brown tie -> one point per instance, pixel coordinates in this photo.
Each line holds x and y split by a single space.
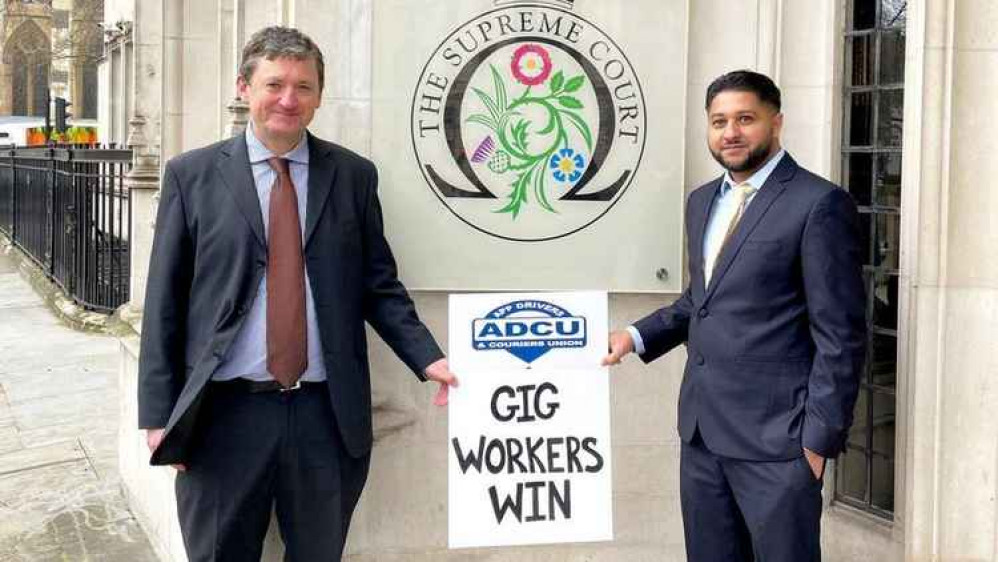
287 355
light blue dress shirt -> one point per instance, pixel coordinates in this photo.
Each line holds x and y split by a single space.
247 358
723 208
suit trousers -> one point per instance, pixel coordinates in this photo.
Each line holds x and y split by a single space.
255 453
748 511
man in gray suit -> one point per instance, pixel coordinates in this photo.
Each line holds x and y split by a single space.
268 258
774 324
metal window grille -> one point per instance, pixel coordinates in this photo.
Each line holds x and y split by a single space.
871 170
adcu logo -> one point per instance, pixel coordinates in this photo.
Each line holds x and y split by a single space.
528 329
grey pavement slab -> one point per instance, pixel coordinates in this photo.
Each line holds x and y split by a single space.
36 457
32 339
61 410
60 492
25 361
17 293
82 376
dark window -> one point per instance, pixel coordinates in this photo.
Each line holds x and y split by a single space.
873 127
89 51
40 90
88 109
19 80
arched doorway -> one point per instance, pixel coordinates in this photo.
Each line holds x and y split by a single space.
28 56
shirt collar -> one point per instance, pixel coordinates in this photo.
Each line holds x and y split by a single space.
259 153
758 179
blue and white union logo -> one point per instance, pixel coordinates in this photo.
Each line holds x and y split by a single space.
528 329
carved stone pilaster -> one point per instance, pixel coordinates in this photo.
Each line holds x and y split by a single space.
238 117
118 32
145 158
142 183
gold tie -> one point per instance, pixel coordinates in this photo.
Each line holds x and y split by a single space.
287 354
742 192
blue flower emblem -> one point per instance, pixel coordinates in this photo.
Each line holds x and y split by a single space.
567 165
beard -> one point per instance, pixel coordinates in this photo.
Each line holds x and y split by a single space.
755 158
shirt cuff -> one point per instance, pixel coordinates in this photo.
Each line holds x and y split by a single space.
639 344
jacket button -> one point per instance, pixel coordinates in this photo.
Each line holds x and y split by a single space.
700 359
703 313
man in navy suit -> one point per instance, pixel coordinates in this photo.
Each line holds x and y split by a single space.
774 324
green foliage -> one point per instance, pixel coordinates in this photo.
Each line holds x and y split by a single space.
556 82
570 102
514 141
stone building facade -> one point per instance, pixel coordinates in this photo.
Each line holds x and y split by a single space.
49 47
885 97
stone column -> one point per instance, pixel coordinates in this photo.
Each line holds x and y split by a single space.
227 71
769 37
805 65
238 111
171 93
144 139
950 251
142 182
149 490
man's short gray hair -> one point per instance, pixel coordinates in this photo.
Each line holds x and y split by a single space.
277 42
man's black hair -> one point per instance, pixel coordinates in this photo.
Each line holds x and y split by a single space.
745 81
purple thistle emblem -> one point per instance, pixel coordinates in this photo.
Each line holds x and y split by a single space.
484 150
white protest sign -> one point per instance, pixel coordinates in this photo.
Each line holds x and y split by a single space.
529 449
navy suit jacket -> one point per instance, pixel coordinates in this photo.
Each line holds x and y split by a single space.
208 257
776 342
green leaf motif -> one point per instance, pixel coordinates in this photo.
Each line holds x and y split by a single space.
520 134
500 87
489 104
514 130
519 195
574 84
539 193
552 123
557 81
483 120
570 102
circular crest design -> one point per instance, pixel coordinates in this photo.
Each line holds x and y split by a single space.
528 123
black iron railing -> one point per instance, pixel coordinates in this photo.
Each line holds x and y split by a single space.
67 209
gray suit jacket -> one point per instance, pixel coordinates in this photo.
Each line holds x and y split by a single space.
208 257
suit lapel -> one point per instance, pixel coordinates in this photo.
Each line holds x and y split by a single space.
761 203
321 173
238 178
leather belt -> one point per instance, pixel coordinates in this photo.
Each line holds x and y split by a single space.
253 387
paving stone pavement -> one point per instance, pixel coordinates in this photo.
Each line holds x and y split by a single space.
60 494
